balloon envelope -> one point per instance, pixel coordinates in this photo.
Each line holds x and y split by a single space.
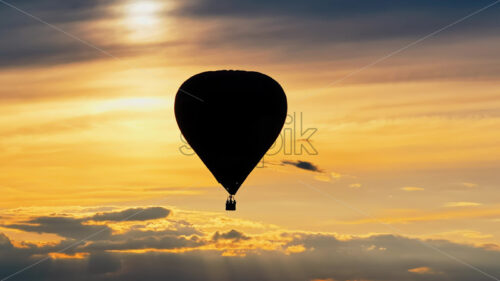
230 119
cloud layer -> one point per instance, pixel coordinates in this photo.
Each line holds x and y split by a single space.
293 26
180 250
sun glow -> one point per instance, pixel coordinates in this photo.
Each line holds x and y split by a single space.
143 20
136 103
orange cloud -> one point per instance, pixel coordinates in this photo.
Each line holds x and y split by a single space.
462 204
422 270
68 256
412 188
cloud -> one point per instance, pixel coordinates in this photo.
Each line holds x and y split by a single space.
157 241
77 228
5 242
101 263
230 235
142 251
336 176
305 165
462 204
355 185
65 227
331 22
349 34
322 8
422 270
135 214
33 43
470 184
312 29
412 188
462 186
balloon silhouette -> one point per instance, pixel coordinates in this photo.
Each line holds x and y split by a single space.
230 119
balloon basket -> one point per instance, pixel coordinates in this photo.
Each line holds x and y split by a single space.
230 204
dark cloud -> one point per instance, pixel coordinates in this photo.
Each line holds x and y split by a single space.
178 235
335 21
54 11
308 28
230 235
5 243
26 41
64 226
319 256
134 214
100 263
382 257
324 8
78 228
305 165
351 34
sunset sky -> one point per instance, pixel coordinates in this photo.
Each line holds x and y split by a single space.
394 110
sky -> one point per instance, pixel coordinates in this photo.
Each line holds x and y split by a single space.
386 169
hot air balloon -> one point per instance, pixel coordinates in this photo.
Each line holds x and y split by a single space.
230 119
